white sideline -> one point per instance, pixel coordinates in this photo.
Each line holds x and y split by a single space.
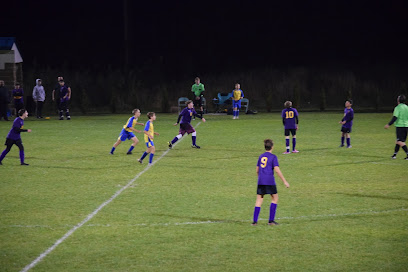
95 212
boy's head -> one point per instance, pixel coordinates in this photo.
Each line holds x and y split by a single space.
61 82
17 85
268 143
197 80
22 113
237 86
136 112
38 81
189 104
1 83
288 104
401 98
60 78
151 115
348 103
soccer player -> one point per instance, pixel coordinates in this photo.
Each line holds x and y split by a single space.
185 127
347 123
400 119
265 168
290 119
18 94
198 89
127 132
64 98
148 137
14 137
236 96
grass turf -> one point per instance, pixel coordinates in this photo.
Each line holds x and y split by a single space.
346 209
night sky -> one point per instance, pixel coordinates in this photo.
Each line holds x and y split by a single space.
228 35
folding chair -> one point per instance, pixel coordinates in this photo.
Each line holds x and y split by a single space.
245 104
182 103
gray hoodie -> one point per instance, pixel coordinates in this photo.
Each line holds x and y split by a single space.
38 92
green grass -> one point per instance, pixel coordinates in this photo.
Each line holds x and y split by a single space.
346 209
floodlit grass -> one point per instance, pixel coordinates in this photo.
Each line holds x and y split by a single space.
346 209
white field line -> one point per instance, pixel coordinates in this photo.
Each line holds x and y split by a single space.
305 217
95 212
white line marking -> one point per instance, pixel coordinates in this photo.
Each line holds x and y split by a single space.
305 217
95 212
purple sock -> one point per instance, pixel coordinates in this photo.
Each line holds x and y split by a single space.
342 140
287 145
22 156
256 213
294 143
151 157
143 156
174 140
348 141
3 154
272 211
194 139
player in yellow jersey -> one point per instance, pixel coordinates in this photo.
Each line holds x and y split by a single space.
127 132
236 96
148 137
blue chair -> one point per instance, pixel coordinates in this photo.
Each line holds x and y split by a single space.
181 103
245 104
222 101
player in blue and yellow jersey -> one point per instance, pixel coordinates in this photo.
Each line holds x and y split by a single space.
236 96
290 119
185 127
347 123
400 120
148 137
127 132
265 168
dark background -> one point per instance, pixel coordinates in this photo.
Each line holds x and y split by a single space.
165 44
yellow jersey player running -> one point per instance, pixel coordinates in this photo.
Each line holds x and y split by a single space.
148 137
127 132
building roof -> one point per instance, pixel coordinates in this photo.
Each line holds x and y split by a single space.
8 44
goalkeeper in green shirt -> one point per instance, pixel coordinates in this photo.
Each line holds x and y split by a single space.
198 90
400 120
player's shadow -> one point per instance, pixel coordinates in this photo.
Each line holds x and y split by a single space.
373 196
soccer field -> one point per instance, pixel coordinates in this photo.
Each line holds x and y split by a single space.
78 208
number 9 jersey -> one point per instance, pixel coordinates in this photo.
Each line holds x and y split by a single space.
266 163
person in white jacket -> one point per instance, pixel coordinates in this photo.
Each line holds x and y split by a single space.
39 97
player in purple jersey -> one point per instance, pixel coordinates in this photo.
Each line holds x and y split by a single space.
185 127
18 94
265 168
64 98
347 123
290 119
14 137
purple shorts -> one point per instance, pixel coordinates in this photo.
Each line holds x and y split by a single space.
186 128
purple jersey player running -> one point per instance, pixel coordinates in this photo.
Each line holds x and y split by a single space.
290 119
347 123
267 164
185 127
14 137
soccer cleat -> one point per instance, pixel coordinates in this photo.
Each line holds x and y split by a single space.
196 146
61 118
1 163
273 223
150 164
68 117
233 118
254 224
129 153
286 153
341 145
404 159
170 145
394 156
349 146
23 163
295 151
139 160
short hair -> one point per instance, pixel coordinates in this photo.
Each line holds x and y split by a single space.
288 104
350 101
402 98
135 110
189 101
150 114
17 84
197 78
21 112
268 143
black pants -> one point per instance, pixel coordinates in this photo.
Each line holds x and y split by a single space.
63 107
39 108
3 111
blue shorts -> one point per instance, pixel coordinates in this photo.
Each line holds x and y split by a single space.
236 104
126 135
149 143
